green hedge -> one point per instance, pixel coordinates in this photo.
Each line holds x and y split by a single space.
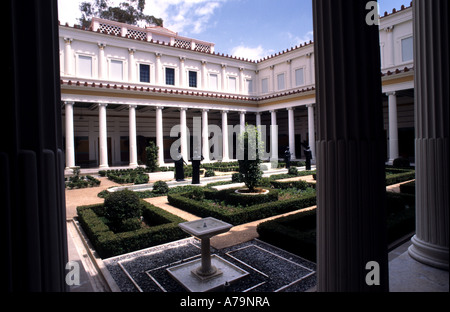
297 233
108 244
238 215
408 188
301 185
395 175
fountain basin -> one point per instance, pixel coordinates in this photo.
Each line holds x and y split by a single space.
205 228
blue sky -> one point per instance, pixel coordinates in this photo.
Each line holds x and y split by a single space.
247 28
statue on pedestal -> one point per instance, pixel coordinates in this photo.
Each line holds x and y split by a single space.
179 168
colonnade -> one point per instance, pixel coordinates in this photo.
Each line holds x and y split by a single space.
184 144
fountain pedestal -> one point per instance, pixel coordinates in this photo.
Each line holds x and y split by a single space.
211 272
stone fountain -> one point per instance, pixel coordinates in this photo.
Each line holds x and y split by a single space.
211 271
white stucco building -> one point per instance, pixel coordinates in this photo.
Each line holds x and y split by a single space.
122 86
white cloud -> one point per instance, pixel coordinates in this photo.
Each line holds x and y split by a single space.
183 16
250 53
297 40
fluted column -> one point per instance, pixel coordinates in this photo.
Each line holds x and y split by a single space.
182 73
132 136
351 217
183 136
225 149
393 126
205 136
311 130
291 126
103 136
70 146
160 135
431 68
33 224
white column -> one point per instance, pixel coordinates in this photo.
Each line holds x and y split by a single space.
158 69
311 130
160 135
68 57
289 83
242 121
132 136
390 46
131 65
393 126
182 73
225 150
258 120
310 69
291 126
224 78
101 61
103 136
274 135
272 87
241 80
183 125
70 146
204 84
205 135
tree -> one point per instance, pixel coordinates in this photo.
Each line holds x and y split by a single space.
250 159
129 12
152 157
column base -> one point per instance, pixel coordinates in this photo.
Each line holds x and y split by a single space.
104 166
133 165
429 254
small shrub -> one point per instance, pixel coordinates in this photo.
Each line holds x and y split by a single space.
209 173
293 171
197 194
160 187
401 163
237 178
121 206
152 157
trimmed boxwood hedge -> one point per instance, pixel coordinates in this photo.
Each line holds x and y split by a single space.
109 244
395 175
238 215
297 233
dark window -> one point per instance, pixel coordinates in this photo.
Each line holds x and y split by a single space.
144 73
170 76
193 79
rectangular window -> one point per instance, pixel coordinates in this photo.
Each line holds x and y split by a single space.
192 79
280 79
265 85
85 66
231 84
170 76
299 78
213 81
407 49
144 73
249 86
116 70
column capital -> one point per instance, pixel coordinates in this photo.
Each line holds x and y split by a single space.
223 66
183 109
131 50
242 112
102 104
290 108
389 29
272 67
258 113
101 45
157 54
273 111
132 106
391 93
308 55
310 105
204 62
289 61
224 111
69 103
257 71
241 69
182 58
159 107
68 40
205 110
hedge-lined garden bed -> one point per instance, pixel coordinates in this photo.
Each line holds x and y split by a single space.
297 233
159 227
222 204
